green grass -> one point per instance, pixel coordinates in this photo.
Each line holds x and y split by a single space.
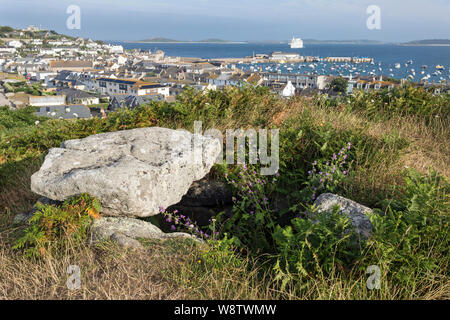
396 163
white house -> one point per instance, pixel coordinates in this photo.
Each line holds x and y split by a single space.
289 90
129 86
116 49
14 44
42 101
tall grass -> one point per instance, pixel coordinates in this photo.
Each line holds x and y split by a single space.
395 138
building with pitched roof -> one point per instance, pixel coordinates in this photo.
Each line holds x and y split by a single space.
136 87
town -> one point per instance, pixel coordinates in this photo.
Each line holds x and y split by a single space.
66 77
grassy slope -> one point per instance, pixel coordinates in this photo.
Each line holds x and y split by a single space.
388 132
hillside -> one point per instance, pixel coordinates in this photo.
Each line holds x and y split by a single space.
384 150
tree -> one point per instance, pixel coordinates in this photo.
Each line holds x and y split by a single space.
339 85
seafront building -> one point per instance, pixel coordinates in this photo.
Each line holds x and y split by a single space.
76 72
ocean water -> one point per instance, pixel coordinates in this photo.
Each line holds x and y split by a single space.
385 57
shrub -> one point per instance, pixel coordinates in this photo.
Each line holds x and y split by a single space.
52 226
252 221
316 245
411 240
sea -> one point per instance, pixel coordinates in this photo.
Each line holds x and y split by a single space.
412 62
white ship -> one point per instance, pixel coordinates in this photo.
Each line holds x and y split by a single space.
296 43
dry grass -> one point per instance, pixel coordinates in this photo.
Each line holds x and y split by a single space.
169 270
163 270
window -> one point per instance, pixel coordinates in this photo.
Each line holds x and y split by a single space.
102 84
123 87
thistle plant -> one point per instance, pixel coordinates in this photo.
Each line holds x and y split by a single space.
252 219
179 221
326 175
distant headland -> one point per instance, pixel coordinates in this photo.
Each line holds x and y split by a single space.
428 42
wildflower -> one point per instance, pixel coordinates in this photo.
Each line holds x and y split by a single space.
252 212
345 172
173 228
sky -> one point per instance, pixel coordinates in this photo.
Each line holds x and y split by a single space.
239 20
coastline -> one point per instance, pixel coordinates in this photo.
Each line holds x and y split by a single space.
425 45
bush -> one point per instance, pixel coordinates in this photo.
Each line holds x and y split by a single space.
51 226
411 241
316 245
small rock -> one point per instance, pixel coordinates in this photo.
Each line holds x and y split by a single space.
125 241
23 218
355 211
104 228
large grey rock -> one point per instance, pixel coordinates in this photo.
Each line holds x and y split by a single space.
357 213
119 229
132 172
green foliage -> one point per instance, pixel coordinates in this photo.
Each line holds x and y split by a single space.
411 240
52 226
317 245
326 176
403 100
253 221
410 236
221 254
6 29
339 85
17 119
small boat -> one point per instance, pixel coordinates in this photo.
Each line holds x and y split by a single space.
397 66
439 67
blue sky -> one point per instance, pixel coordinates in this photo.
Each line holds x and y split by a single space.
401 20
